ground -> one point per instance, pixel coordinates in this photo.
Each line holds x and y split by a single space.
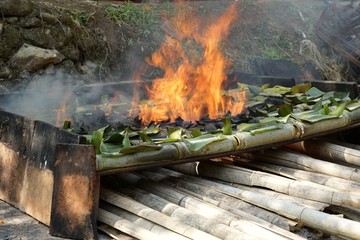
120 35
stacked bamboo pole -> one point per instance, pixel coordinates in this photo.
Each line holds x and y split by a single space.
312 218
328 151
253 196
304 162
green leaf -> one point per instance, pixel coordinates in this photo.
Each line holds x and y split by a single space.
109 148
285 110
140 148
115 137
255 90
325 110
96 140
126 141
264 129
246 127
318 105
314 92
339 109
196 133
227 129
352 105
301 88
144 137
195 144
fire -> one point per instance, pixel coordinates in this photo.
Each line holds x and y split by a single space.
191 86
62 113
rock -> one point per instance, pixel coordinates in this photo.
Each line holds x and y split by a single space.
49 18
30 58
5 71
12 20
30 22
71 52
9 41
15 7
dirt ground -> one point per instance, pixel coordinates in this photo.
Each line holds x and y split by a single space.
271 29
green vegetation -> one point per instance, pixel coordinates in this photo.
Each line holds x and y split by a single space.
138 19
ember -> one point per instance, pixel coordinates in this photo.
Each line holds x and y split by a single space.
191 90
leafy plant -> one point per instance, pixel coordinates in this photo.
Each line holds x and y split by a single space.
138 19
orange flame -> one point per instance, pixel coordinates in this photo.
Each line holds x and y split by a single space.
62 112
189 88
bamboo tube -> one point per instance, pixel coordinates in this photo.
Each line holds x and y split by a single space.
303 189
326 180
223 201
321 221
209 211
114 233
276 195
125 226
152 215
350 213
328 151
181 214
324 126
229 203
303 162
142 222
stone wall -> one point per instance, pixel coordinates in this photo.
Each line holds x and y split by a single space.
36 39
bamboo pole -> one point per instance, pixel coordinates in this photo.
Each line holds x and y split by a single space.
321 221
181 214
142 222
328 151
303 162
152 215
326 180
126 226
228 203
303 189
276 195
208 211
114 233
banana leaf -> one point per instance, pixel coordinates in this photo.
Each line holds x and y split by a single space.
96 140
301 88
195 144
227 129
144 137
352 105
140 148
